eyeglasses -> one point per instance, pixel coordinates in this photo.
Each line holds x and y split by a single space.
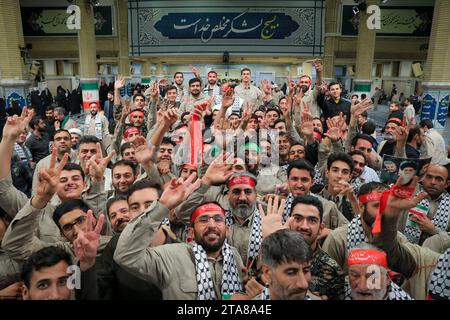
62 138
218 218
78 221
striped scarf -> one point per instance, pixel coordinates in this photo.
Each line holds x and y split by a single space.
231 282
440 219
255 239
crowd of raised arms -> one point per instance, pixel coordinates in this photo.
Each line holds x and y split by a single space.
223 190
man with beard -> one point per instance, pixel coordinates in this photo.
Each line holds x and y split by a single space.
363 143
61 143
22 165
268 174
195 97
114 282
49 120
388 145
39 140
128 152
361 173
108 108
286 265
124 173
239 201
75 136
300 179
297 151
96 124
179 269
306 215
63 120
340 241
436 142
309 95
283 146
178 79
431 216
369 277
213 89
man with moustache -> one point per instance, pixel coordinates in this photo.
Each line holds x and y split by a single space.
96 124
195 97
124 174
213 89
306 218
239 200
369 277
39 140
340 241
206 269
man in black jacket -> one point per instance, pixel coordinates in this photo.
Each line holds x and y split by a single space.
335 104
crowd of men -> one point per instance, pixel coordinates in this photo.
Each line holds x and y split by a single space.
203 191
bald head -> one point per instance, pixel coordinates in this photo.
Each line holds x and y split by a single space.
435 180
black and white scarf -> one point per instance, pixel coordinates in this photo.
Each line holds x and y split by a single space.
215 93
440 219
288 205
439 287
265 295
394 292
356 184
255 239
231 282
355 233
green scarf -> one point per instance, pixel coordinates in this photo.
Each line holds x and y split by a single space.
66 118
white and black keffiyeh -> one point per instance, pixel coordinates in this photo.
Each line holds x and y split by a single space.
439 287
231 282
440 219
318 179
166 222
356 184
287 207
355 233
255 239
394 293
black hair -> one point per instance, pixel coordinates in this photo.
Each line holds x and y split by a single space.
274 109
144 184
45 257
88 139
178 72
113 200
70 166
368 127
426 123
301 164
194 80
412 132
125 146
50 108
34 122
308 200
67 206
138 95
201 204
128 163
359 153
171 87
361 136
167 140
278 121
245 69
283 246
370 187
333 83
61 130
340 156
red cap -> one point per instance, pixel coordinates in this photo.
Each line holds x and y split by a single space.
241 180
130 130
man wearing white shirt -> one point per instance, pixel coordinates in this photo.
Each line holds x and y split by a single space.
436 147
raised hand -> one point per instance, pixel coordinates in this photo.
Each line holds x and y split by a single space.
178 190
163 82
143 153
395 205
15 125
334 132
359 108
265 86
119 83
126 110
97 164
87 242
163 167
195 71
154 91
220 170
48 180
227 97
318 65
169 118
273 219
13 291
291 86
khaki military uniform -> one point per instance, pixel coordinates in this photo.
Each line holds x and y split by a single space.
170 267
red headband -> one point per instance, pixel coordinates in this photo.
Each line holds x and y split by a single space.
395 120
241 180
135 113
130 130
370 197
189 166
367 256
208 207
